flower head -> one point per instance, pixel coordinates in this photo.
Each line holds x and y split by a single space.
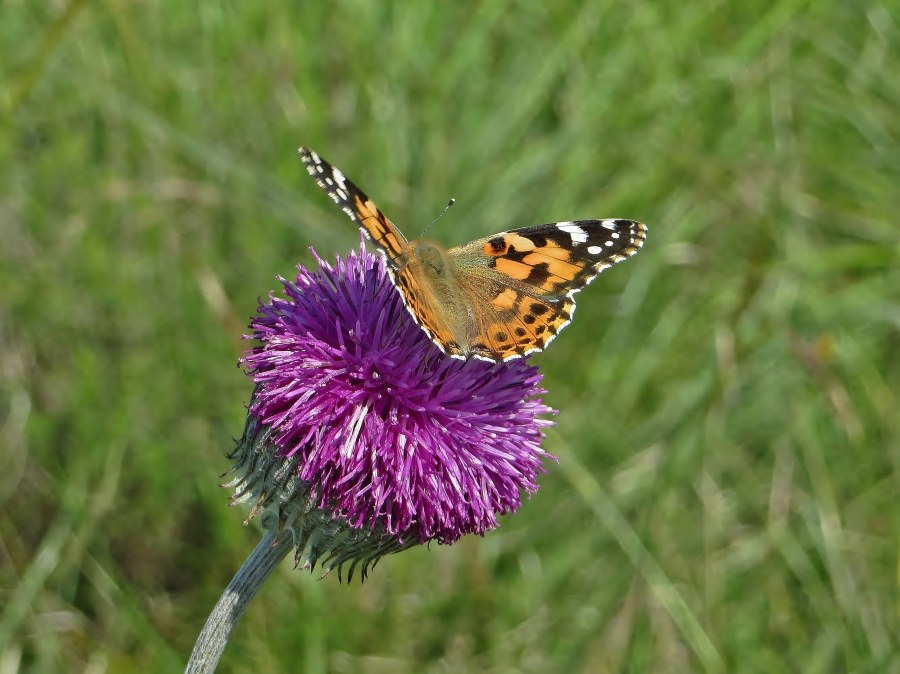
363 438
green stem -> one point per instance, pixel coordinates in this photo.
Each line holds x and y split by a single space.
228 610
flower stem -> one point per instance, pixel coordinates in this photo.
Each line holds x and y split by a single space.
228 610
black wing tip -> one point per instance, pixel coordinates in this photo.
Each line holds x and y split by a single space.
637 232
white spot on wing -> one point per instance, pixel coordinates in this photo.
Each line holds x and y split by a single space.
609 224
595 250
577 233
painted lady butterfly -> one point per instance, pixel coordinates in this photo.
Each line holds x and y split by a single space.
496 298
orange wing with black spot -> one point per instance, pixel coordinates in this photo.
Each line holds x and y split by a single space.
558 258
522 283
354 202
417 294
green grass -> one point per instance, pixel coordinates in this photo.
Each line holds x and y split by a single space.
726 498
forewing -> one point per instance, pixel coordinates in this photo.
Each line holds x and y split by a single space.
354 202
419 300
560 258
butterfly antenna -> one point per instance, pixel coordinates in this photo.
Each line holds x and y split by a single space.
446 208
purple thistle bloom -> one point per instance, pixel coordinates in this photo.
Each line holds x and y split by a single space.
364 437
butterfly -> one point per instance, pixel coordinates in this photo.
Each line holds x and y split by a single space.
497 298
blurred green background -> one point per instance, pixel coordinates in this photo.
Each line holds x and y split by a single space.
726 497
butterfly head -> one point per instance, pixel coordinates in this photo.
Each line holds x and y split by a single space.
432 258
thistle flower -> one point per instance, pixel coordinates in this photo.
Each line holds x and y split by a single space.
363 439
386 438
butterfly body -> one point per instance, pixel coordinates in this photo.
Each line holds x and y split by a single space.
496 298
437 292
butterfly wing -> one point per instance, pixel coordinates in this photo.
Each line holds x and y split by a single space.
521 284
404 269
354 202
